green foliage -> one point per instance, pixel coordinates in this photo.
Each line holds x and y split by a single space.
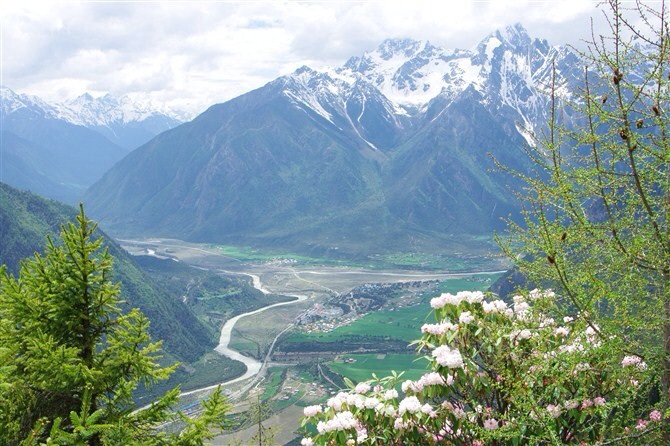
597 228
597 218
499 375
71 359
25 220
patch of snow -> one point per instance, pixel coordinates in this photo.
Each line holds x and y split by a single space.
491 45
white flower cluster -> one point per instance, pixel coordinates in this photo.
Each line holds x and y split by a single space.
521 307
466 317
410 404
562 331
311 411
518 335
628 361
554 410
435 379
362 387
390 394
429 379
447 357
340 422
497 306
539 294
451 299
438 329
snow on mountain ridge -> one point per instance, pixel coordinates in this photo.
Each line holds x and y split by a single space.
510 71
411 73
87 110
105 110
11 102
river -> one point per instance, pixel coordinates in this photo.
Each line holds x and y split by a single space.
253 365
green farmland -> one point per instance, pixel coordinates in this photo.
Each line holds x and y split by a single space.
399 323
380 364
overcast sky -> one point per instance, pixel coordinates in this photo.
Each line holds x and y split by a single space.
192 54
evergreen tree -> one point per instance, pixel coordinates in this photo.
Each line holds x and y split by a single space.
70 359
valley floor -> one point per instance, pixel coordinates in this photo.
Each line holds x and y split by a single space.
284 388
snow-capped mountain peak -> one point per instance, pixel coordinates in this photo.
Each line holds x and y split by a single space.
106 110
87 110
124 121
11 102
508 70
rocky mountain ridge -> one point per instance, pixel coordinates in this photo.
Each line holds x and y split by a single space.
392 150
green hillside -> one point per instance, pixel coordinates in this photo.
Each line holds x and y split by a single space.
26 220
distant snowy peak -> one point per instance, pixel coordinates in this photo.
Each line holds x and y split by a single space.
11 102
106 110
87 110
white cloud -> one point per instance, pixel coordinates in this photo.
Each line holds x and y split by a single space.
193 54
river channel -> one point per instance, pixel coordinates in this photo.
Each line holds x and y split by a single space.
253 365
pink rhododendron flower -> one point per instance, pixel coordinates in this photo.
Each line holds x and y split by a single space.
655 415
466 317
438 329
414 386
641 424
570 404
445 299
471 296
554 410
427 409
390 394
371 402
361 435
432 379
497 306
521 308
562 331
410 404
336 402
490 424
341 421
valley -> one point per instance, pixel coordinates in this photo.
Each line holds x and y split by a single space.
297 352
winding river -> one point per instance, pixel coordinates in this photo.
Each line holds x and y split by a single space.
253 365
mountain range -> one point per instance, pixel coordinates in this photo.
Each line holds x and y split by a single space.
59 150
391 151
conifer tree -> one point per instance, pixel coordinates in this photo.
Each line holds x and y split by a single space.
70 359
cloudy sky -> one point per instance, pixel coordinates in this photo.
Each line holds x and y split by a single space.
191 54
